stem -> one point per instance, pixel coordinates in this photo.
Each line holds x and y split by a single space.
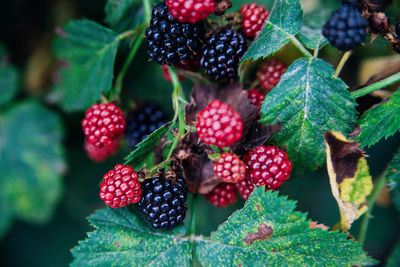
376 86
125 67
343 61
300 47
147 10
371 201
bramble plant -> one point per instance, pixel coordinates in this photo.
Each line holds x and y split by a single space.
255 105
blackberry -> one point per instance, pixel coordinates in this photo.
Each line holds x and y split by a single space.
169 41
221 55
163 202
346 29
142 122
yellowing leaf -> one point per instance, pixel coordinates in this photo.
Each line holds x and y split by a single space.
349 177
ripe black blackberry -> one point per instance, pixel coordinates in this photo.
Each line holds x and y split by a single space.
163 202
143 121
169 41
346 29
221 55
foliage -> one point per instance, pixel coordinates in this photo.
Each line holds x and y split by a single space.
267 229
393 179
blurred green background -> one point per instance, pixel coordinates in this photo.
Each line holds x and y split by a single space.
27 29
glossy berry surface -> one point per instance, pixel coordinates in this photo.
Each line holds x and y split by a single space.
223 195
120 187
269 166
219 124
229 168
103 123
256 97
221 55
170 42
244 188
143 121
163 202
100 154
346 29
191 11
269 74
253 19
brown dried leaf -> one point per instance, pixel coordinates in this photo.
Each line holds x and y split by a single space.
264 232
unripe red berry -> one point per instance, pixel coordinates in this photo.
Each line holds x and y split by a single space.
256 97
269 74
103 123
223 195
120 187
219 124
269 166
253 19
244 188
191 11
229 168
99 154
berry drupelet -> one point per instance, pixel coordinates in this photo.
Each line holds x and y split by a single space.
169 41
99 154
102 124
346 29
221 55
229 168
256 97
253 19
244 188
190 11
269 74
142 122
267 166
223 195
120 187
219 124
163 202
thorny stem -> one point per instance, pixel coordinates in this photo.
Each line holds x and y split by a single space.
300 47
125 67
376 86
371 201
343 61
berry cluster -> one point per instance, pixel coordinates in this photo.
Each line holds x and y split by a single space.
269 74
346 29
190 11
253 19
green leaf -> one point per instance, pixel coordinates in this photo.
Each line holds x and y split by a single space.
9 78
308 101
143 152
283 24
122 239
393 179
89 49
32 161
310 34
267 231
380 122
394 258
123 15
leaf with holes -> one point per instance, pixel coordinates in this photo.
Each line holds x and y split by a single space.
87 51
283 24
308 101
267 231
380 122
31 164
122 239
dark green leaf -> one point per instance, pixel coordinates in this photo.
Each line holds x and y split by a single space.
311 32
140 156
380 122
122 239
393 179
123 15
9 78
394 259
283 24
89 50
267 231
31 161
308 101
